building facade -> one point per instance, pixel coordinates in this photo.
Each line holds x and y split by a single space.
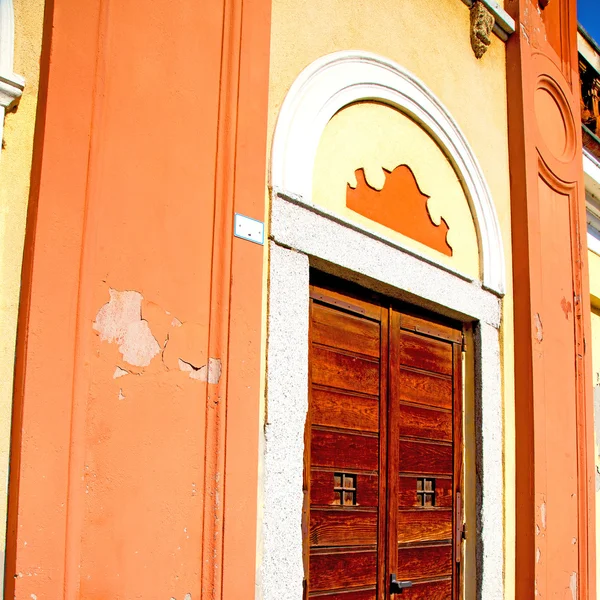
319 319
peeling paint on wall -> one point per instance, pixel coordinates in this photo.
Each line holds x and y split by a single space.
573 585
120 321
543 514
597 431
120 373
539 328
139 346
210 372
566 307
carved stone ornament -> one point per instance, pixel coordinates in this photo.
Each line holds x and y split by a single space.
482 23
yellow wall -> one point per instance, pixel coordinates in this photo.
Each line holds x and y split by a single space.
15 167
594 268
431 39
374 136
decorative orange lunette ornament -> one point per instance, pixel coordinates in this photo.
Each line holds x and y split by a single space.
399 205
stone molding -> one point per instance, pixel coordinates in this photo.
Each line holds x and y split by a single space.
504 24
336 80
482 23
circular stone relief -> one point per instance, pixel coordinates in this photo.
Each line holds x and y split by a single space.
554 120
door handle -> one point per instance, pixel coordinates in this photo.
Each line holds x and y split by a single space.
396 586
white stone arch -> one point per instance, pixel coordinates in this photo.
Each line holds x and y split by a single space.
11 84
334 81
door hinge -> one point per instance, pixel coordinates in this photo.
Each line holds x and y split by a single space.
459 532
463 345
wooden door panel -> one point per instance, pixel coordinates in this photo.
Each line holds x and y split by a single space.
424 562
369 594
435 590
332 327
322 489
424 444
426 389
425 423
344 450
344 371
431 328
424 525
356 428
425 458
426 353
330 570
343 527
408 497
344 410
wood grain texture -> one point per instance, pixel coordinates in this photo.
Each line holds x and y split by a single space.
338 329
418 457
407 492
435 590
431 328
425 423
426 353
426 389
382 533
368 594
458 510
424 525
424 562
342 570
361 427
395 385
344 450
344 410
344 371
359 302
322 493
343 527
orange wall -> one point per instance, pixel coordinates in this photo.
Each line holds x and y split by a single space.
555 545
151 134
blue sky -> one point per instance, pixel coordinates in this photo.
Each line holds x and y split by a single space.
588 13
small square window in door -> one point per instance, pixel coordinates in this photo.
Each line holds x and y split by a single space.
426 492
344 486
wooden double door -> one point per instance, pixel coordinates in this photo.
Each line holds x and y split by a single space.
383 452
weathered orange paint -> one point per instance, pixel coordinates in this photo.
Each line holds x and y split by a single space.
151 134
399 205
555 553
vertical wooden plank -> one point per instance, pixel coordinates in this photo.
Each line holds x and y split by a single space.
458 468
384 481
306 476
343 454
393 447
